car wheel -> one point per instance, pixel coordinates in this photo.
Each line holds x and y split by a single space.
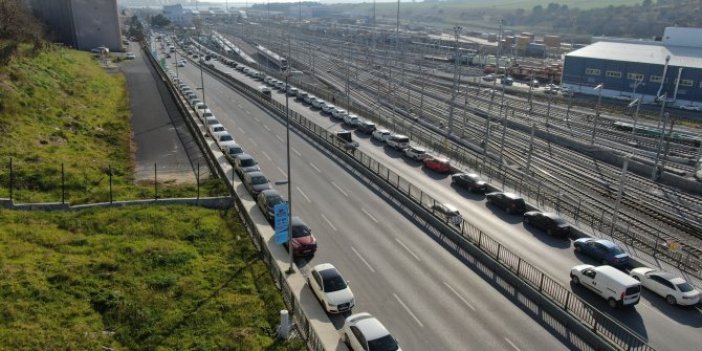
574 279
612 302
671 300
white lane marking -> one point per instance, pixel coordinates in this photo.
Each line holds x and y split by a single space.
315 168
282 171
363 259
408 249
303 194
239 106
459 296
329 222
408 310
266 127
249 112
369 215
279 138
241 130
511 343
265 154
340 190
253 142
296 152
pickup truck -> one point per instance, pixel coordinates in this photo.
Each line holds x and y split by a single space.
349 143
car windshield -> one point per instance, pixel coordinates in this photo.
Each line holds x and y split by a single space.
248 162
300 231
386 343
259 180
616 250
226 137
235 150
559 220
334 283
218 129
274 200
685 287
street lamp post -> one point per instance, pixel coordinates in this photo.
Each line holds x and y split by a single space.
662 118
597 112
287 151
615 216
637 103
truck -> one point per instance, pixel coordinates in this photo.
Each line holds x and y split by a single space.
347 140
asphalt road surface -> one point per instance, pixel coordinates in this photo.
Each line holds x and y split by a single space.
160 135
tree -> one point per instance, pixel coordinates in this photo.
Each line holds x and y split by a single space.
160 21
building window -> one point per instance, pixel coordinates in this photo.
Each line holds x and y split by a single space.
685 82
635 76
592 72
613 74
656 79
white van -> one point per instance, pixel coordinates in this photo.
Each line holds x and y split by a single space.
615 286
399 141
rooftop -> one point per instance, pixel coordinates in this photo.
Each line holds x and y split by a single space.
680 56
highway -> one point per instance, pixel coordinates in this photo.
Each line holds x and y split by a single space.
664 327
428 299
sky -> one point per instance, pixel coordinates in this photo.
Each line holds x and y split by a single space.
322 1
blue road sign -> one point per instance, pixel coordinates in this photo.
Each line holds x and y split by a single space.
281 223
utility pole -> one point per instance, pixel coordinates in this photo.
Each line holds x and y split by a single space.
457 31
667 145
622 183
662 117
597 112
531 150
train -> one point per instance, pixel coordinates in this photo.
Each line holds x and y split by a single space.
271 56
551 73
679 137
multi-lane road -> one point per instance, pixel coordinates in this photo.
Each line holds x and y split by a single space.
428 298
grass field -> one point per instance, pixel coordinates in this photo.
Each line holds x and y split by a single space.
137 278
59 107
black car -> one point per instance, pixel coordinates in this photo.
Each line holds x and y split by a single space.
549 222
256 182
244 163
469 181
266 202
365 127
509 202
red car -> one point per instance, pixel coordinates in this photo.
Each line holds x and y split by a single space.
303 243
440 165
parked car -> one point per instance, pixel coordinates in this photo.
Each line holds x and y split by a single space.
416 153
610 283
339 113
398 141
509 202
327 108
365 127
217 128
292 91
266 202
265 90
232 150
363 332
225 139
303 95
303 243
244 163
351 120
381 135
469 181
317 103
130 56
437 164
255 182
447 212
673 288
330 288
489 78
550 222
602 250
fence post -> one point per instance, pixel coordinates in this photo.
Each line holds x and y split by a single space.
499 248
197 180
155 183
519 266
109 169
565 306
63 185
12 180
541 282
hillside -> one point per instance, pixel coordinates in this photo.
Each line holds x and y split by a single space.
136 278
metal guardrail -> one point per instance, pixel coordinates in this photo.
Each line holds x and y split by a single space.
595 321
301 321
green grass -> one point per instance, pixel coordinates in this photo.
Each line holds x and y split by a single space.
59 107
137 278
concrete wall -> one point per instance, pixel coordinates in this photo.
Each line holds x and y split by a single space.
96 24
81 24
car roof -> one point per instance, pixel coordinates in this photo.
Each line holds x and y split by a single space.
244 156
371 327
668 276
297 221
270 193
606 243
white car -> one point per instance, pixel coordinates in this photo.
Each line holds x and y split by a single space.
339 113
328 108
292 91
200 108
674 289
308 99
215 128
416 153
207 114
381 135
318 103
330 288
351 119
362 332
224 139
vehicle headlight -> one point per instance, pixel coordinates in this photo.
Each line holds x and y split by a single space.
331 304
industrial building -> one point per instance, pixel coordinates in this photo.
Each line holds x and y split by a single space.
81 24
646 69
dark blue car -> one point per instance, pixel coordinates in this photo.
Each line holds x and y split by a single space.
603 251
